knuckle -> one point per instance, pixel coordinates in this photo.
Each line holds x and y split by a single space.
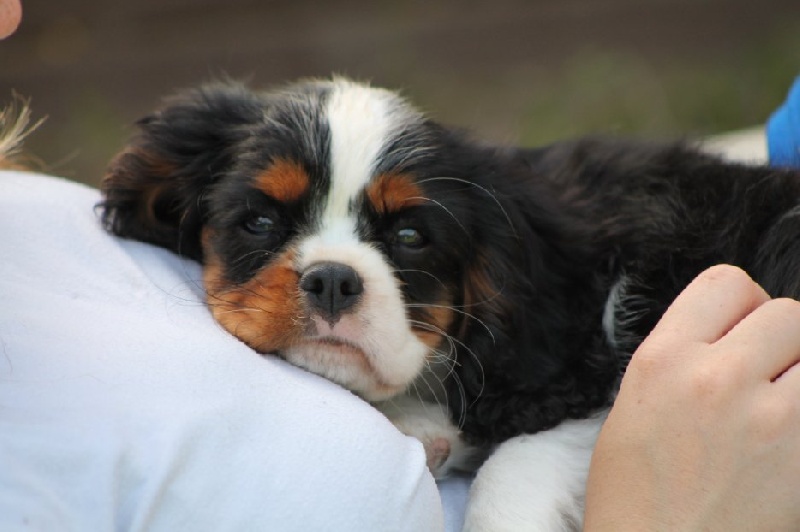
772 417
736 365
652 357
786 306
710 382
725 273
734 279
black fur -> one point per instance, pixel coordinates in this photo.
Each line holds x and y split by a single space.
160 179
530 245
653 214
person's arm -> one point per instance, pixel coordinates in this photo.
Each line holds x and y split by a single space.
705 432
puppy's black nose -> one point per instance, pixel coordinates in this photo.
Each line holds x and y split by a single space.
331 287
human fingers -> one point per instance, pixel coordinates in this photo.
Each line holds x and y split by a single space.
788 383
769 337
10 15
713 303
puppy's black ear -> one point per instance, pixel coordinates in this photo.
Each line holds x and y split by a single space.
523 362
154 189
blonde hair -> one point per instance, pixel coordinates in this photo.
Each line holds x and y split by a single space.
15 126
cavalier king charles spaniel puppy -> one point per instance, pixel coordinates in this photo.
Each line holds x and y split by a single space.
486 298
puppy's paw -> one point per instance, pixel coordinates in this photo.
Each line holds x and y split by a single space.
437 452
445 451
440 439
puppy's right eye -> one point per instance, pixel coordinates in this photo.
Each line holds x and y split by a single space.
410 238
260 225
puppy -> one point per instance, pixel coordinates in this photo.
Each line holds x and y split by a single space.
481 295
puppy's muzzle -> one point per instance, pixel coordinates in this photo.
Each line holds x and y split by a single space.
331 289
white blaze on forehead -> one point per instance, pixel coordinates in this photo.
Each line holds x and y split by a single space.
359 118
361 121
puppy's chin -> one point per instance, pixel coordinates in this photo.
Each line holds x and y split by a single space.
357 367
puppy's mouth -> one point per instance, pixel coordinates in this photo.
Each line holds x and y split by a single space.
336 344
343 361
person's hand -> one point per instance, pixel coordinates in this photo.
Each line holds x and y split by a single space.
705 431
10 15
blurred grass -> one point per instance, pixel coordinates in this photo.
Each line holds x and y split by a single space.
608 92
93 130
596 90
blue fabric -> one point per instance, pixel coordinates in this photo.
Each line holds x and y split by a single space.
783 130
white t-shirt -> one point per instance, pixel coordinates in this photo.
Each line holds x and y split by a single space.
124 406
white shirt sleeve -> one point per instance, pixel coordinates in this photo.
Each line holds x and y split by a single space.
124 406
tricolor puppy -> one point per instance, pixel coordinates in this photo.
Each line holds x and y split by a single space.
484 295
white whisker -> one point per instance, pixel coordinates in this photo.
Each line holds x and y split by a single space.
452 341
423 272
454 309
479 187
445 209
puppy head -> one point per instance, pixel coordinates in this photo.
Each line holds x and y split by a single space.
337 226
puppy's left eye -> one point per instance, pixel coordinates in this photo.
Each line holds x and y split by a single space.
260 225
410 237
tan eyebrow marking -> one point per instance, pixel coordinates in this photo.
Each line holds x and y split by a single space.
284 180
393 192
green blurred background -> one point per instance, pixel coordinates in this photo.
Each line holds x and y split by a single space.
515 71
